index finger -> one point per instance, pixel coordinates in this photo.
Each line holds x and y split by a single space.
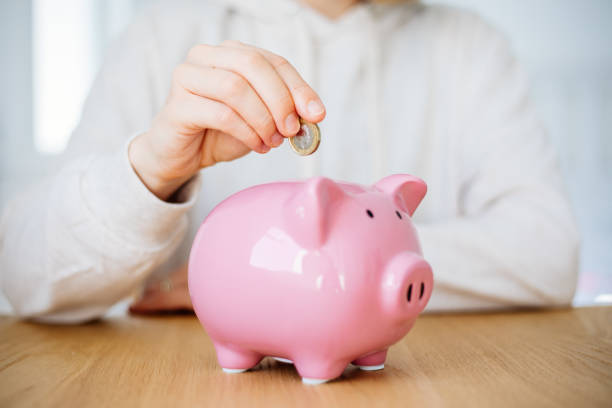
307 102
260 75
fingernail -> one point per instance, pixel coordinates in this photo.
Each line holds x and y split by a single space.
277 139
315 107
264 149
291 123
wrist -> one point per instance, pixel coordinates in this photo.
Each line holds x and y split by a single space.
146 167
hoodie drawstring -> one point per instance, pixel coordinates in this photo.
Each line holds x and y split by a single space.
375 127
307 63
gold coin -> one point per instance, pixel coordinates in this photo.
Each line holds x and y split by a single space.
307 139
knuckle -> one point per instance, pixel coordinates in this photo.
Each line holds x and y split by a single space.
179 73
265 125
225 116
254 141
233 85
231 43
253 59
279 62
285 101
302 89
197 51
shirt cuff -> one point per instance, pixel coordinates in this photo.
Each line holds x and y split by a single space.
118 199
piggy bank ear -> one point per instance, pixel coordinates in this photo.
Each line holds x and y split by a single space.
406 191
308 213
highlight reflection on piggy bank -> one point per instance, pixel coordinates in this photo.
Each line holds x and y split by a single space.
318 273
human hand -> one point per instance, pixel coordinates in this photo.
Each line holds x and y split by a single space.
224 102
165 295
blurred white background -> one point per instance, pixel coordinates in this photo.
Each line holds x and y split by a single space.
51 50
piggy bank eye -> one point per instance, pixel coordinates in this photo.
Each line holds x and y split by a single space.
398 214
370 214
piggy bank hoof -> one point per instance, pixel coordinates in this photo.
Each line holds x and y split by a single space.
283 360
234 370
313 381
372 367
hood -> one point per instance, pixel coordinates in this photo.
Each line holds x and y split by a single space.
357 18
264 9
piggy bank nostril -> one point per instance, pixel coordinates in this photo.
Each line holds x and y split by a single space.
422 290
409 294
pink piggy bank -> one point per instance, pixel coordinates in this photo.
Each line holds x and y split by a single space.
317 273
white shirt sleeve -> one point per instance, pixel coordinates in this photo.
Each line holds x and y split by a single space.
85 238
515 241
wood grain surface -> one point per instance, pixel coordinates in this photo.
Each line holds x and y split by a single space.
527 358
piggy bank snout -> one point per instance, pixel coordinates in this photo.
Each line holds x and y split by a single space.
407 285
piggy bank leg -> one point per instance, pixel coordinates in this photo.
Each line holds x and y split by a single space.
317 371
283 360
235 360
371 362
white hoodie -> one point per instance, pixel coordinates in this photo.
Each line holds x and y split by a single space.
429 91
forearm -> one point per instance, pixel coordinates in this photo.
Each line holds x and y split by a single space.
523 251
85 239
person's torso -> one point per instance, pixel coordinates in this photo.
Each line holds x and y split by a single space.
389 97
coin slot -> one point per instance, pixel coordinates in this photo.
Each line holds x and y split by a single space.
370 214
398 214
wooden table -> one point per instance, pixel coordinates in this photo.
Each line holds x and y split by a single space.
527 358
